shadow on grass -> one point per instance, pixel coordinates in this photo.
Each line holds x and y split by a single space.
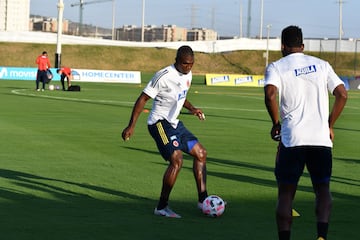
35 207
257 180
347 160
34 182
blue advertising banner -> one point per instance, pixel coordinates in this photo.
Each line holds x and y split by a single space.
79 75
16 73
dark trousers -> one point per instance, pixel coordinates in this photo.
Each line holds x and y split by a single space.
41 77
63 76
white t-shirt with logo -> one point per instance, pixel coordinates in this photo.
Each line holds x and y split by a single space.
303 83
168 88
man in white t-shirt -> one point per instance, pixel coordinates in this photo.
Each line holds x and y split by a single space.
301 84
168 89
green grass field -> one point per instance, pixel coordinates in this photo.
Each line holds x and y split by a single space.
66 174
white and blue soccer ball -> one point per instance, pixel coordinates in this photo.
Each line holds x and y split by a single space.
213 206
51 87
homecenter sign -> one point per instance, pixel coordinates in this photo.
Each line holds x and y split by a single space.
90 75
79 75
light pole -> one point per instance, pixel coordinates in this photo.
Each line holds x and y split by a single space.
143 21
340 20
113 21
241 20
60 7
267 44
249 19
261 18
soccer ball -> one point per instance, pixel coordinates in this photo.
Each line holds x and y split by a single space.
213 206
51 87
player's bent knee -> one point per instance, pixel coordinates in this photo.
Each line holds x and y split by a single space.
202 154
177 159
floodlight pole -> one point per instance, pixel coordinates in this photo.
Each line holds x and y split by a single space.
113 21
340 20
249 19
267 44
143 21
261 19
60 7
241 20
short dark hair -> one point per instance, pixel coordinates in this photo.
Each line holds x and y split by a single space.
292 36
184 50
44 52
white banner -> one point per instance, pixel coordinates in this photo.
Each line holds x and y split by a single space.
90 75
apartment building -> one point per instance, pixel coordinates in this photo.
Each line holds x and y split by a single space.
14 15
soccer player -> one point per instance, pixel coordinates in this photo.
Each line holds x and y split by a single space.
43 63
168 89
65 72
305 128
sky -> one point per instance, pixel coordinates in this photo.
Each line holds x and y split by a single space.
244 18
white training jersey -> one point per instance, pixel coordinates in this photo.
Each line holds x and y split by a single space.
303 83
168 88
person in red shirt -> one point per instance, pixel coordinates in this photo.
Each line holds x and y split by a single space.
65 72
43 63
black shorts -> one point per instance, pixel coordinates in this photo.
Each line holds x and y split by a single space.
291 161
169 139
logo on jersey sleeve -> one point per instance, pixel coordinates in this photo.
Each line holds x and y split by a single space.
305 70
182 95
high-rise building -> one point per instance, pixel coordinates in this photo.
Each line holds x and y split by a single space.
14 15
